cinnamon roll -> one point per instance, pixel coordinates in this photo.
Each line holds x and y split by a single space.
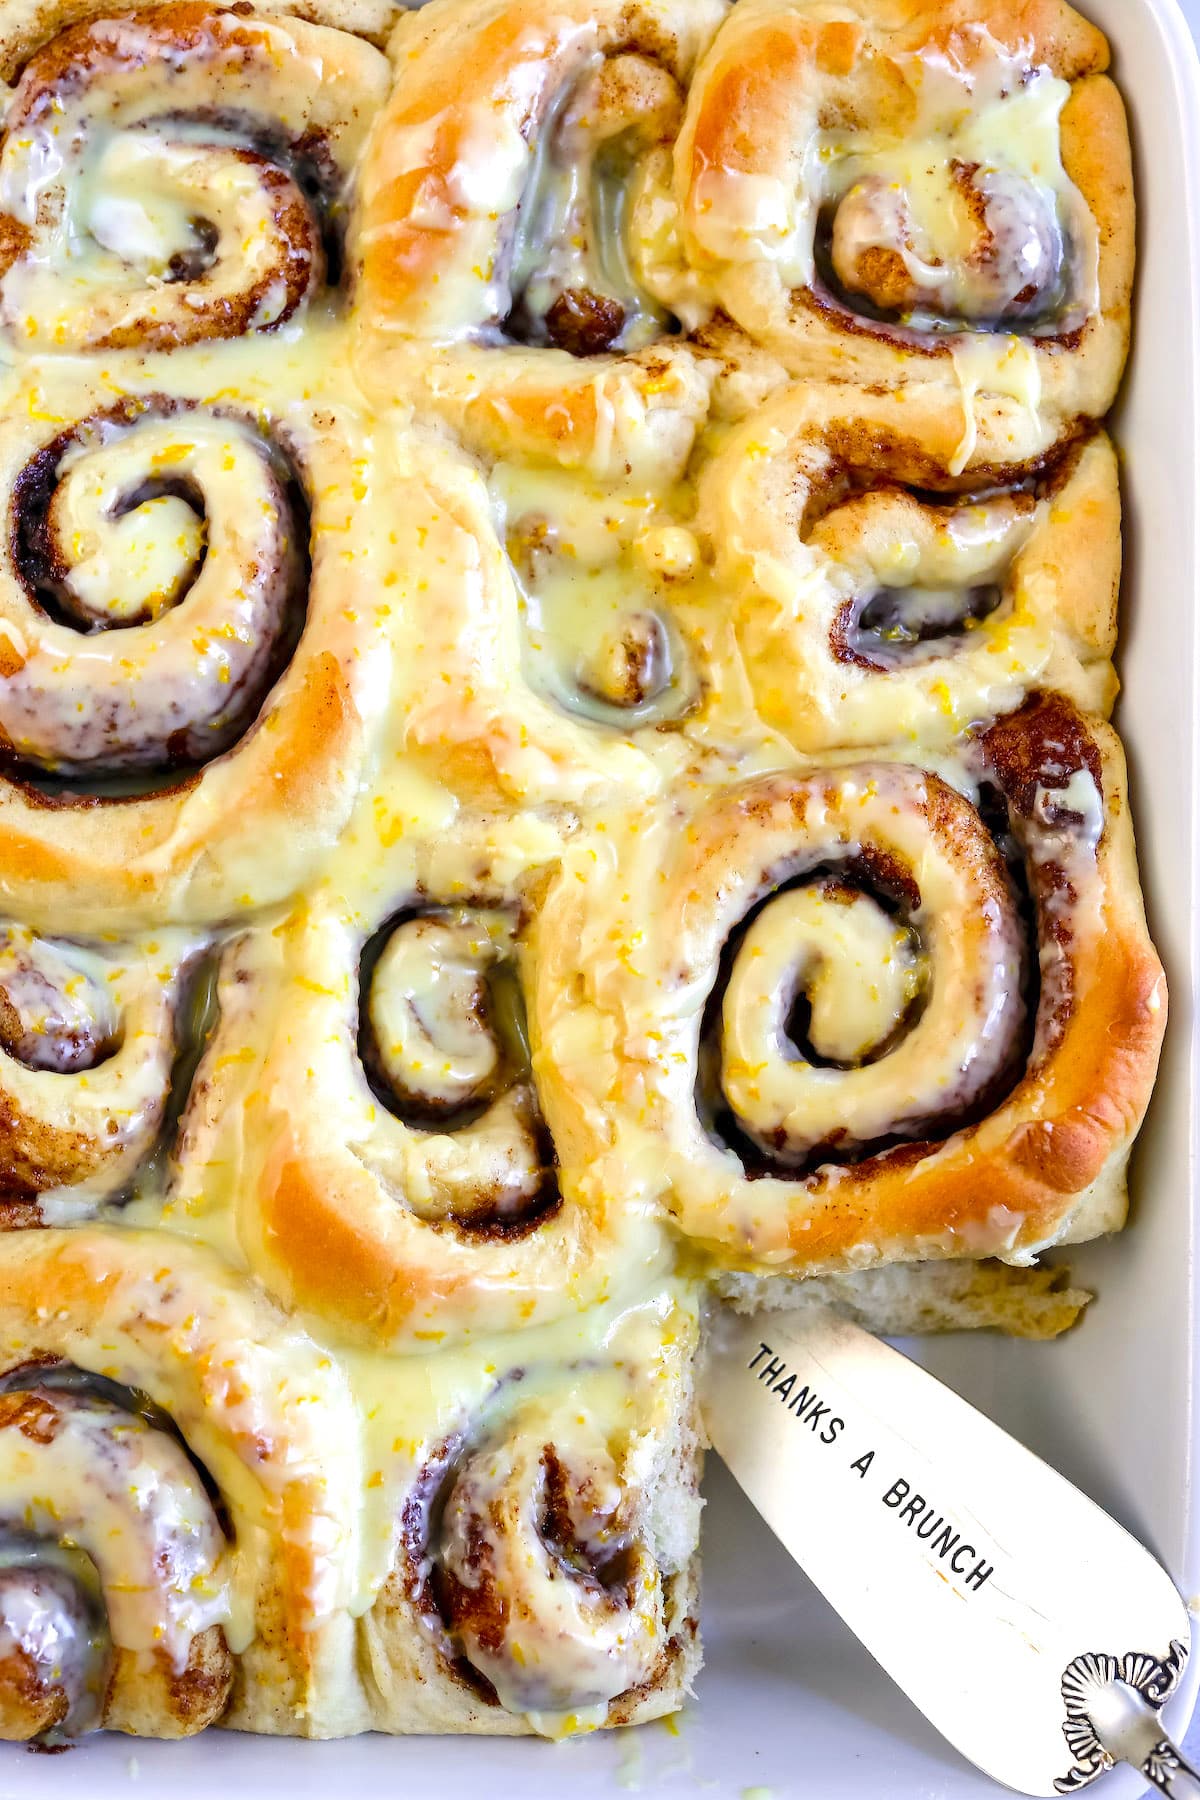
112 1595
393 1175
496 198
87 1048
868 612
163 1584
916 194
557 603
577 637
176 173
839 1042
544 1573
188 693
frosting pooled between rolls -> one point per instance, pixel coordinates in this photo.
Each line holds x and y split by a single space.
557 601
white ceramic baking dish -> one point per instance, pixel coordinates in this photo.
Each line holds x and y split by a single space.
788 1702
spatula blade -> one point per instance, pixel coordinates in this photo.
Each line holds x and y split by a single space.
991 1590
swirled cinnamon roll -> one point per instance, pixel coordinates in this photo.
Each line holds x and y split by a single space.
544 1573
87 1045
923 193
393 1174
497 193
113 1571
576 635
838 1042
188 692
524 1510
557 594
870 613
174 1581
176 173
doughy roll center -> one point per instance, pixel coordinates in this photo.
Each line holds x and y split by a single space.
429 1008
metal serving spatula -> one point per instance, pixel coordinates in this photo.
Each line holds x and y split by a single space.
1029 1627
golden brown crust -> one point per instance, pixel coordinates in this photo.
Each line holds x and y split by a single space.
488 1091
770 48
1013 1180
432 238
777 73
808 532
30 24
391 1228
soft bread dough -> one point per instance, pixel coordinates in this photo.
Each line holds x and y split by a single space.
554 771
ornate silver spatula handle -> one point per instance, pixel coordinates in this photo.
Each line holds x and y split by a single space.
1165 1768
972 1572
1113 1715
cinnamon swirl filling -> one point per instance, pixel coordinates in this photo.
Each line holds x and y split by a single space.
599 581
433 1037
442 1040
113 1579
161 552
927 574
128 222
54 1012
532 1554
545 1586
570 277
1010 256
87 1053
875 991
978 245
892 626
